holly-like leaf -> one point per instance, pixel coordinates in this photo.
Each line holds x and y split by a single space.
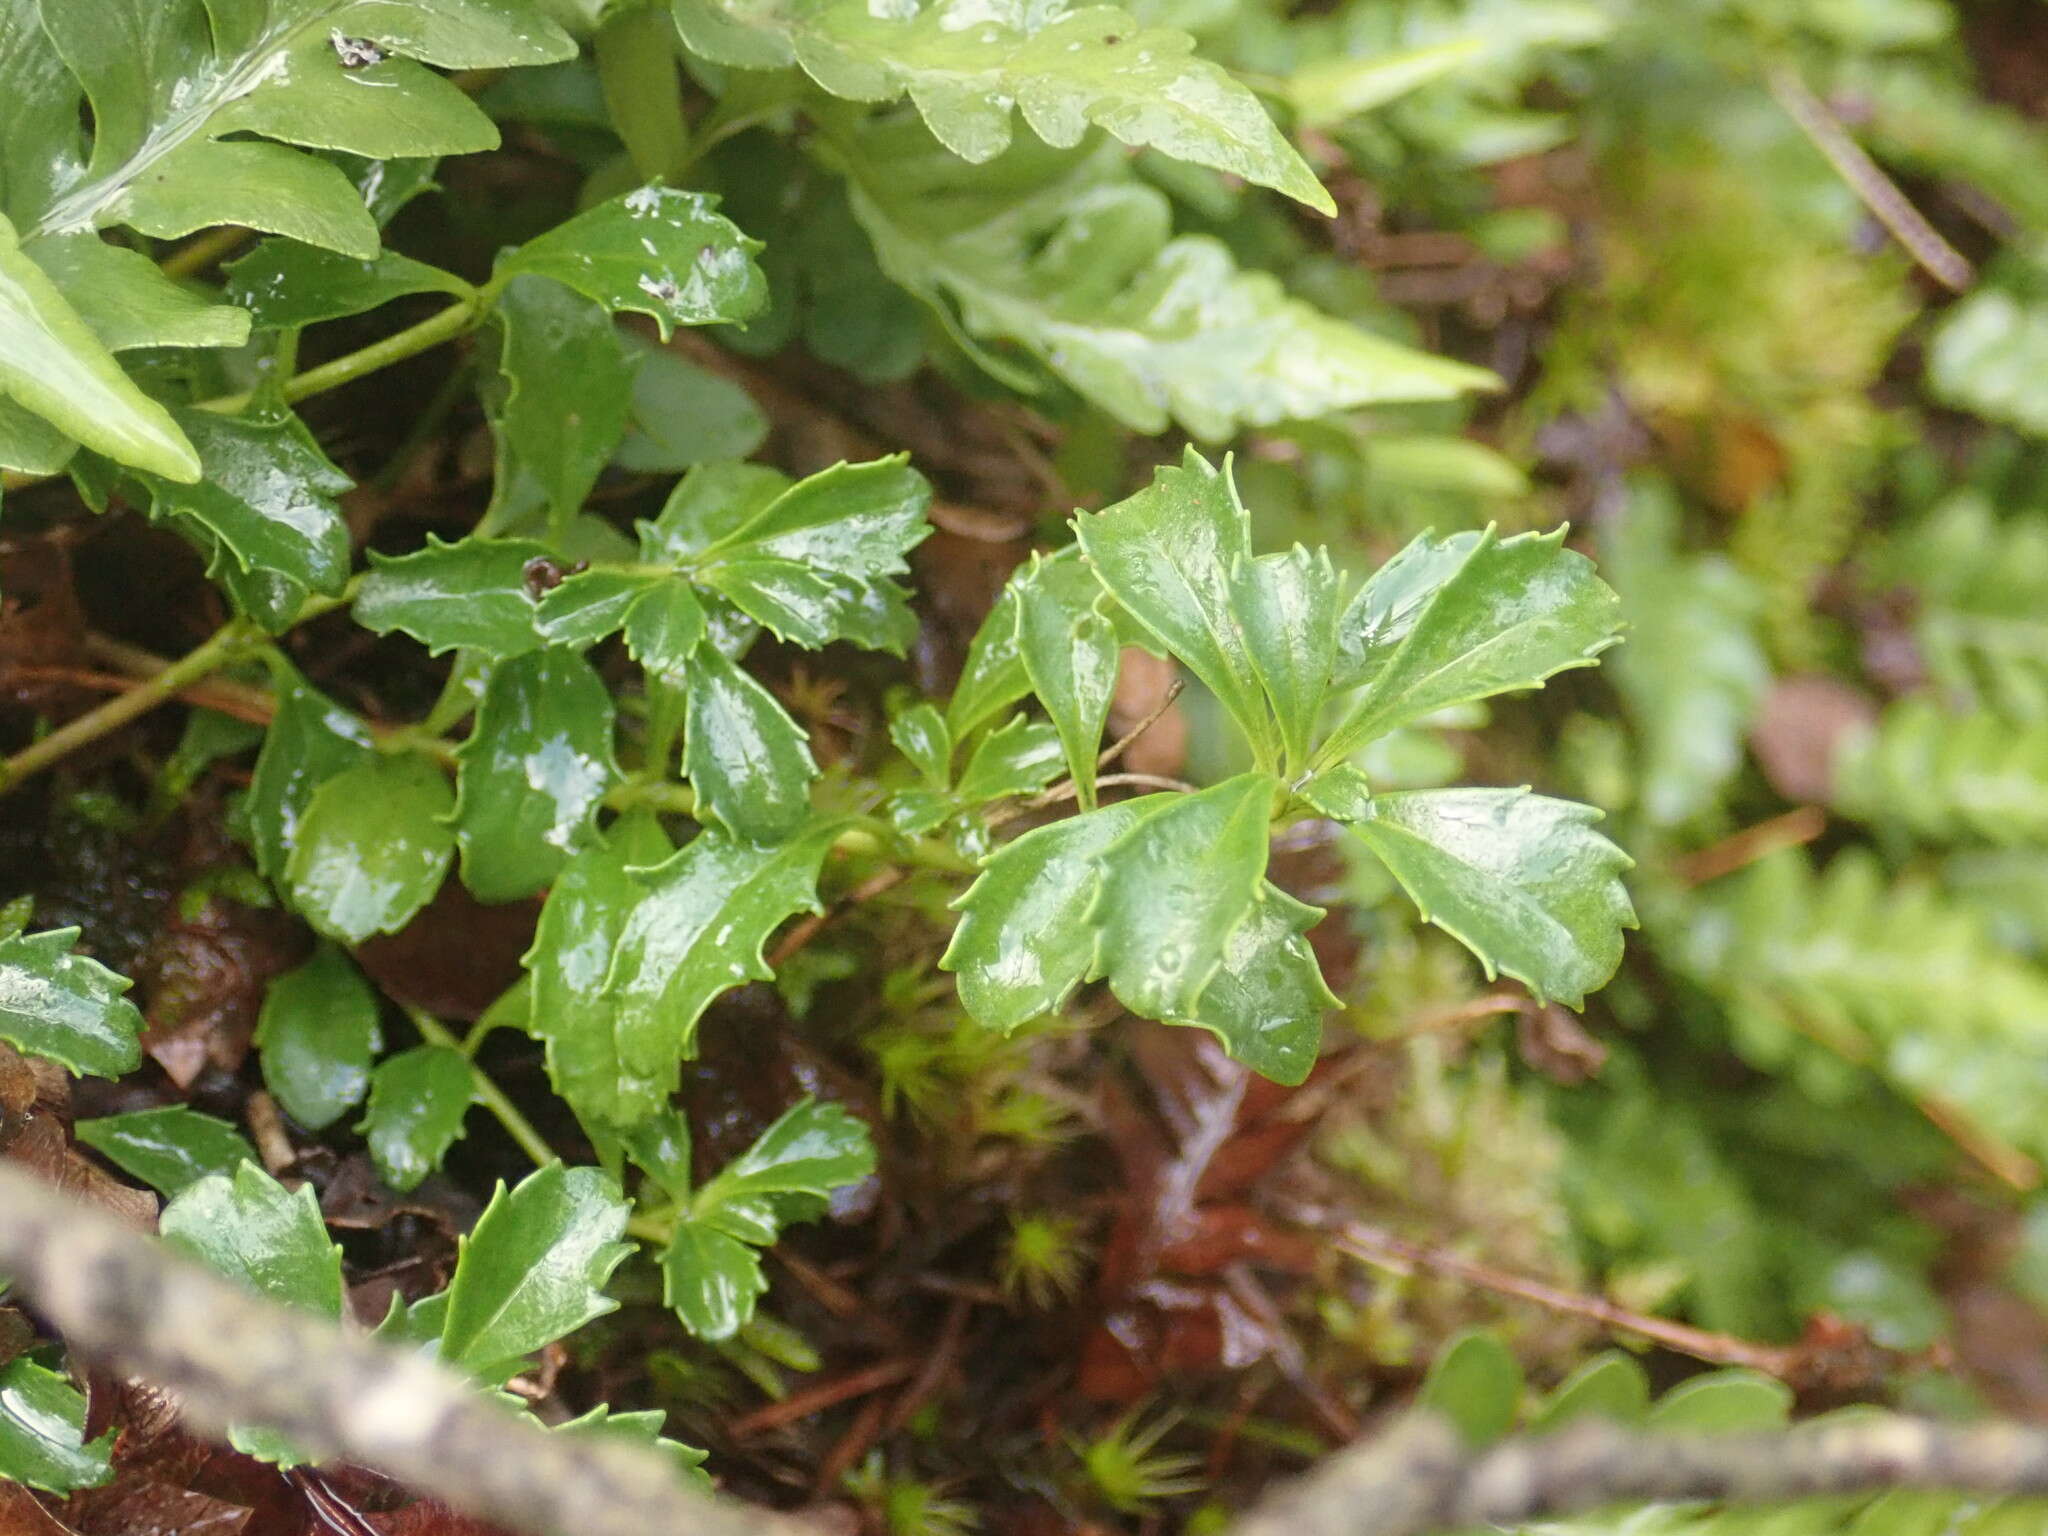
418 1099
55 368
318 1036
712 1279
1166 554
267 499
533 1269
1070 652
372 846
993 677
65 1006
1027 937
744 756
561 407
1019 759
471 594
42 1432
709 503
168 1149
814 564
1267 999
1463 618
657 251
1070 258
589 605
590 1060
643 1428
532 773
1521 880
1175 887
286 282
920 734
1287 604
698 930
310 740
969 68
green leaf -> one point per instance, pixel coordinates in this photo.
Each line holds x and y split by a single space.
994 677
1611 1386
1521 880
810 1150
471 595
532 773
656 251
1327 91
1070 653
744 756
566 392
533 1269
684 415
814 564
380 110
1476 1383
586 607
250 1228
52 365
461 34
1166 554
267 498
42 1432
664 628
66 1007
1723 1402
169 1148
372 846
318 1035
1019 759
920 734
643 1428
968 67
1267 999
590 1061
284 283
1988 355
1287 607
1071 258
1449 621
310 740
1175 887
418 1100
709 503
712 1279
260 186
128 301
30 444
698 930
1026 937
1943 777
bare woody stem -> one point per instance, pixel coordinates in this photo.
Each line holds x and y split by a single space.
120 1297
1422 1477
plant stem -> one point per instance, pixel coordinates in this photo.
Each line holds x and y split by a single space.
451 322
209 656
203 250
488 1093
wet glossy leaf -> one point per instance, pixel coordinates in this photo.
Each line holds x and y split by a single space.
1287 604
267 498
1521 880
1070 654
533 1269
250 1228
744 756
697 930
379 109
712 1279
994 677
372 846
968 69
286 282
592 604
657 251
53 366
589 1060
1447 621
811 1150
1019 759
685 415
920 734
310 740
66 1006
709 503
418 1099
42 1432
1167 554
1476 1383
471 594
318 1035
814 565
567 385
1267 999
532 773
168 1148
1026 937
663 629
1175 887
128 302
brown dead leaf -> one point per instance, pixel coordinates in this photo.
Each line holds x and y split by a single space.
456 957
1801 728
203 979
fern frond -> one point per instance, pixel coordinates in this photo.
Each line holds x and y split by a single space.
1947 778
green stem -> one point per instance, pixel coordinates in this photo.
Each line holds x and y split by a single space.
488 1093
203 250
208 657
657 1228
451 322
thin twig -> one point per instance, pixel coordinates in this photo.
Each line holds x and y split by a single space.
827 1394
1117 748
1880 194
810 927
1067 789
1800 825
